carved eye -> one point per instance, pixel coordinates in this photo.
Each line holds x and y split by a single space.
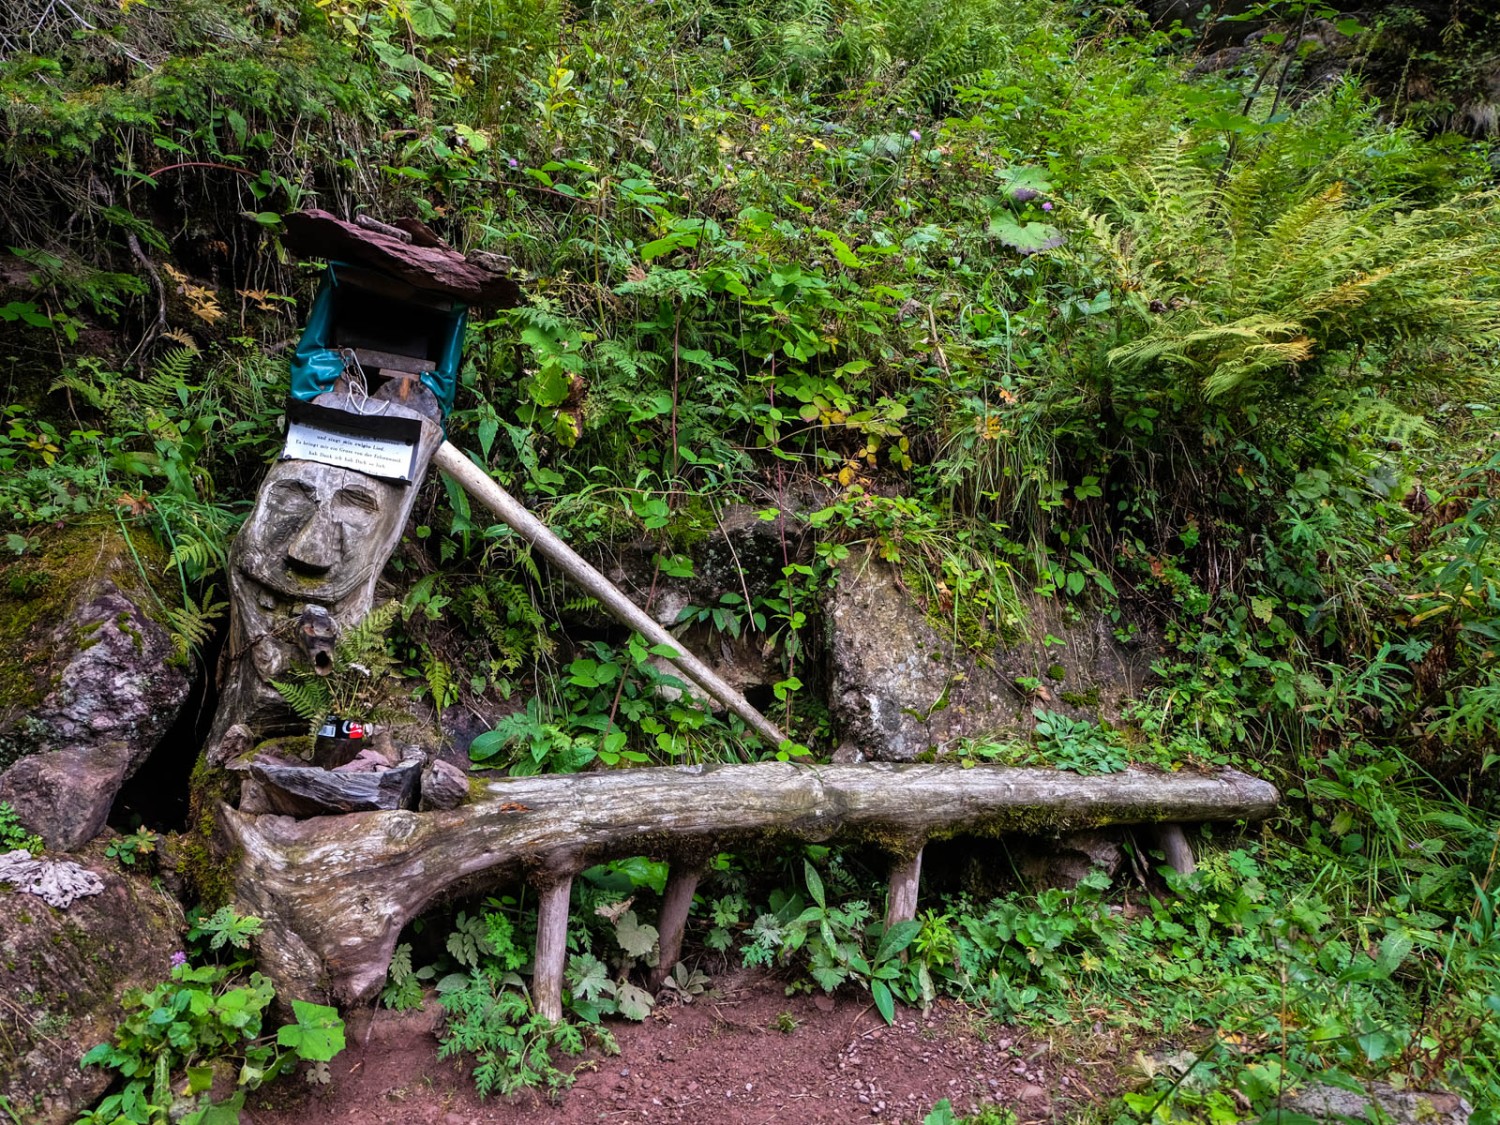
292 494
360 499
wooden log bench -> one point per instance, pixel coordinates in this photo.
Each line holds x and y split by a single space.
336 891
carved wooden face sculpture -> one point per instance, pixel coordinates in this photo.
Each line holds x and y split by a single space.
320 533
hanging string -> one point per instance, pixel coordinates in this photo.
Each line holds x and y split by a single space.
359 385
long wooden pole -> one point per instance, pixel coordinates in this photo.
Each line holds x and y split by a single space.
515 516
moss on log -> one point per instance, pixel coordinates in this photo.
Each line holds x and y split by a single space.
336 891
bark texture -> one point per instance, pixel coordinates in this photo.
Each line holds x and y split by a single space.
336 891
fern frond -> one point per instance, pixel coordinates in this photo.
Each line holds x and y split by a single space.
191 624
365 642
198 557
440 686
308 698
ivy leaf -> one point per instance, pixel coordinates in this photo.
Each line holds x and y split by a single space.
317 1035
635 1003
588 976
635 938
1028 238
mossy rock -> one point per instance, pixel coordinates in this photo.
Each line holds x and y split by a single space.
37 590
92 678
64 972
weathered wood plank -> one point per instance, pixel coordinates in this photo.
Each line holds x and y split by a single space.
314 233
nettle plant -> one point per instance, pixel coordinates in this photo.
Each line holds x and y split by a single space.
481 984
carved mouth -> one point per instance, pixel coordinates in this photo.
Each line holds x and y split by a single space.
308 570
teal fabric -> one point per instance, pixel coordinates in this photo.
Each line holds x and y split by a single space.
443 382
316 364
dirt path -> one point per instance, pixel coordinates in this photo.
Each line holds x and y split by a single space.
718 1060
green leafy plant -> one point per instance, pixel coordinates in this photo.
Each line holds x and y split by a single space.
617 708
512 1045
13 834
127 850
177 1037
362 683
224 927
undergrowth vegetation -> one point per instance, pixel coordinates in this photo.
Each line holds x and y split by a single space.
1012 294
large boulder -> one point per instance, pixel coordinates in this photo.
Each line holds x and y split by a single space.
901 688
90 680
62 973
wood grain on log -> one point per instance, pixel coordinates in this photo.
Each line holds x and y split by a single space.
901 899
336 891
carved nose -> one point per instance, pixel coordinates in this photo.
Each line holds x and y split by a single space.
317 546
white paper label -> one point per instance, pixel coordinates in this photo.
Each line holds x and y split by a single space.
379 457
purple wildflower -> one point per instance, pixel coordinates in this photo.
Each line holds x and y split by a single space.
179 958
915 134
513 162
1046 206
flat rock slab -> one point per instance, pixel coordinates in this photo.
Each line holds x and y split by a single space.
315 791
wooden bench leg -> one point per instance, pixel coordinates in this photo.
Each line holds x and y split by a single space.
676 903
901 900
1173 842
551 948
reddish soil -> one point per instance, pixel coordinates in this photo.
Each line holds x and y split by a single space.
720 1060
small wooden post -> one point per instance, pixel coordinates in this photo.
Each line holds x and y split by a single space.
551 948
901 899
1173 842
676 903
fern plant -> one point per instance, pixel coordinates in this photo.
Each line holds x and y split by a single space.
1260 296
364 680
